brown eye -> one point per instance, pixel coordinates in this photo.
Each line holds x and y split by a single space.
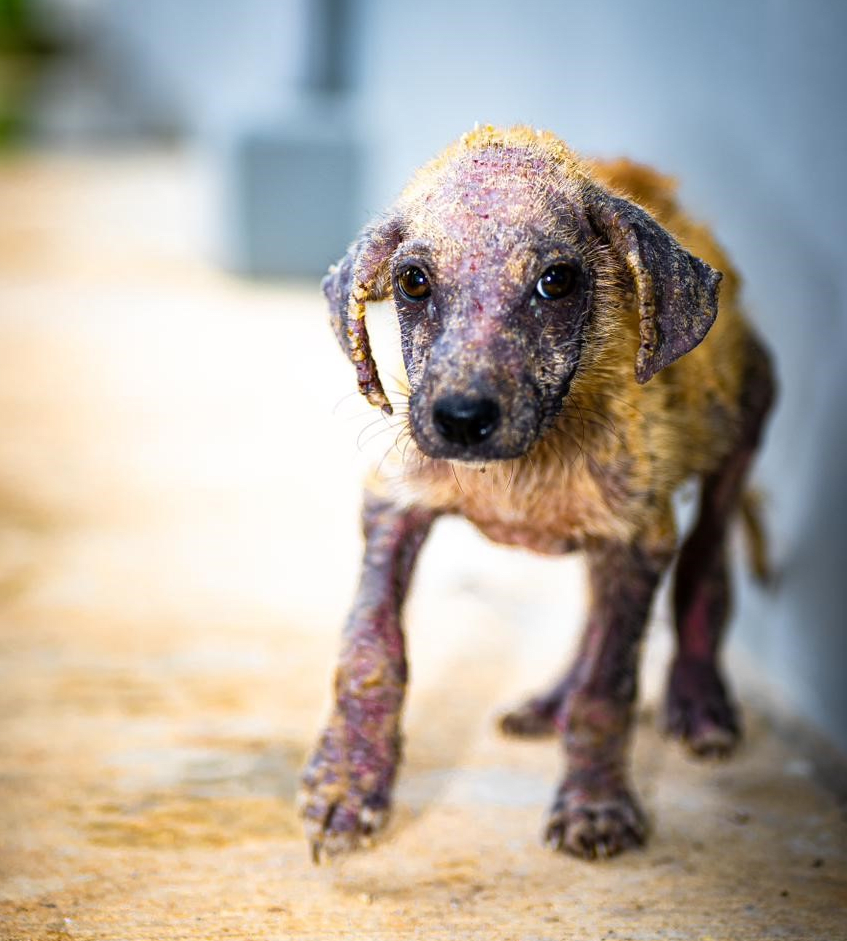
413 283
557 282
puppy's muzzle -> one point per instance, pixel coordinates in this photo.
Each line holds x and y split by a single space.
464 420
475 421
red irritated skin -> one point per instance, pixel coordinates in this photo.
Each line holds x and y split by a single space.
553 317
347 784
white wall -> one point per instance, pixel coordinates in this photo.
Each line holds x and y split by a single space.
132 68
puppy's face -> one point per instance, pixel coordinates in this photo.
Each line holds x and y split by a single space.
493 288
499 254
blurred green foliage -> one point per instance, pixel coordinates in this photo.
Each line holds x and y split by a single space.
25 49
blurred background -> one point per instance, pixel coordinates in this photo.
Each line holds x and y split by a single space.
159 158
182 444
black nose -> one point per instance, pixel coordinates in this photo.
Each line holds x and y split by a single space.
463 420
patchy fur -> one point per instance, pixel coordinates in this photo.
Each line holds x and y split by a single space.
587 404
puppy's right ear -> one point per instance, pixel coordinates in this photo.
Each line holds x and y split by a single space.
362 276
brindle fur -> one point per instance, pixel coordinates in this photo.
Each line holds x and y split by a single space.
601 421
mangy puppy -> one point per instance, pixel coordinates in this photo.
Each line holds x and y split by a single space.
552 314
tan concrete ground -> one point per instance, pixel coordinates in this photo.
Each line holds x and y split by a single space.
178 498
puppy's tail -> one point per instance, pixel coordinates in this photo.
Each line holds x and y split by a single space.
756 537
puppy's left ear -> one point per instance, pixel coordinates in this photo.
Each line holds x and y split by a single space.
359 277
677 293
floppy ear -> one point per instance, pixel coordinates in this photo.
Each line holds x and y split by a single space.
360 276
677 293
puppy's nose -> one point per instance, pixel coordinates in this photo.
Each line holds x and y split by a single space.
460 419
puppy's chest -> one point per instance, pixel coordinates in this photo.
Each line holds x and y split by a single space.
549 506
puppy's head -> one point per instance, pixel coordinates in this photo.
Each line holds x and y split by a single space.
499 255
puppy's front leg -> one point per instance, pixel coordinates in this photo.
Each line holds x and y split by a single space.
595 812
346 787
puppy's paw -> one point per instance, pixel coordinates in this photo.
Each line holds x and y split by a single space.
698 710
594 824
345 792
531 719
537 716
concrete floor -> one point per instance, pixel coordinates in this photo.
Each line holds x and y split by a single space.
179 477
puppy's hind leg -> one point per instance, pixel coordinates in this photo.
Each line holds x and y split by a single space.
346 786
698 709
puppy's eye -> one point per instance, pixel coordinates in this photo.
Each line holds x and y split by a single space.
557 282
414 284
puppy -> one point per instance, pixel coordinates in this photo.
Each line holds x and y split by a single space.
559 328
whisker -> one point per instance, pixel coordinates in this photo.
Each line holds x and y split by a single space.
384 421
602 415
555 451
369 413
576 445
456 476
618 398
344 398
406 447
591 422
372 438
384 456
582 423
511 473
596 424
